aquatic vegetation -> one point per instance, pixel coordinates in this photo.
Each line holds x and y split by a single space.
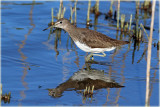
88 13
5 97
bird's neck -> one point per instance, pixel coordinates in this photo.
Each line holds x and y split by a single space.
71 29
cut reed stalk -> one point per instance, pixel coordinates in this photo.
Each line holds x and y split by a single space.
122 21
111 9
52 16
60 9
126 27
75 8
88 12
118 14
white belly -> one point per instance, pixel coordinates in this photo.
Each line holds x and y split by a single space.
94 50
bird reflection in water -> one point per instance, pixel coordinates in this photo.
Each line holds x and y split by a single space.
86 77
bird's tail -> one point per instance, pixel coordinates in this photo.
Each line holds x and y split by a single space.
125 42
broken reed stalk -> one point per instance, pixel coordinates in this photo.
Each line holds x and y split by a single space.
144 30
118 14
75 8
97 7
60 9
122 21
146 4
52 17
88 12
137 18
149 55
71 15
111 9
130 22
62 15
52 22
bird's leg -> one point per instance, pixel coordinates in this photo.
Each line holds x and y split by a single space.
89 56
100 55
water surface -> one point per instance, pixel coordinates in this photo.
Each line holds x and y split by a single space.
33 61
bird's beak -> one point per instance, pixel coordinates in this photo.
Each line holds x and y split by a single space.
49 27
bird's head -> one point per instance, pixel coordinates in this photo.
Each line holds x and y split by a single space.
61 23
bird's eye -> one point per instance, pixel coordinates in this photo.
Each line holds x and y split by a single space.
60 22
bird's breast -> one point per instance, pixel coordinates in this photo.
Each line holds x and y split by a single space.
86 48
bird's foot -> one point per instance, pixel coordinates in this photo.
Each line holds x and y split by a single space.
88 57
92 58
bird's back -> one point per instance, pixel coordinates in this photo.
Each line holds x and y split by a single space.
95 39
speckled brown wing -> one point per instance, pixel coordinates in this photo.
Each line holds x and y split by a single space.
98 40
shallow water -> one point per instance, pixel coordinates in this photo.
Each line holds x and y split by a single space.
33 61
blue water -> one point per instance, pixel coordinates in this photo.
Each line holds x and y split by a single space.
30 64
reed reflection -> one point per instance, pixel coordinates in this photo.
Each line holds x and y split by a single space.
26 66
